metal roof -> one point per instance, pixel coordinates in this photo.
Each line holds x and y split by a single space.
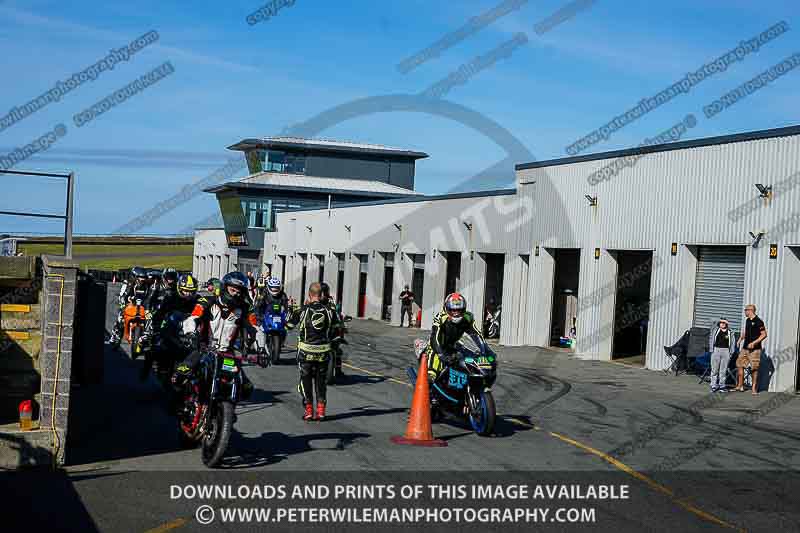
301 182
681 145
420 198
324 145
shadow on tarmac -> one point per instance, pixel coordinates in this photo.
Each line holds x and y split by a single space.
273 447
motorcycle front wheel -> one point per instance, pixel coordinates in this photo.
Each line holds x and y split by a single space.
275 349
483 418
331 374
218 433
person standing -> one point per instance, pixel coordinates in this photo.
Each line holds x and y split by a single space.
406 302
721 344
750 343
317 326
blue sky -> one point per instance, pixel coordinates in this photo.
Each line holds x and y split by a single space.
233 80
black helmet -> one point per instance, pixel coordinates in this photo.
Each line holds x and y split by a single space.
170 276
326 290
234 280
153 275
139 273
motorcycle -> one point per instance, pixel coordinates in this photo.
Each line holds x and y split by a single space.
464 389
164 349
209 399
492 323
134 317
336 345
274 325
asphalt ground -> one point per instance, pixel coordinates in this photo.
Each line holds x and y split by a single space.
691 461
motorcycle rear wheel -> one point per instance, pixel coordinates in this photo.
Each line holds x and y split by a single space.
331 374
483 424
218 433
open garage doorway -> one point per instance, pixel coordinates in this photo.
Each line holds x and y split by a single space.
303 276
363 268
339 278
453 279
321 266
388 285
417 285
632 304
565 297
493 294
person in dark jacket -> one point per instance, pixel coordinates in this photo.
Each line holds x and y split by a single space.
316 324
722 345
406 303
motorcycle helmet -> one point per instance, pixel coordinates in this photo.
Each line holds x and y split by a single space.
153 276
213 286
139 274
234 289
187 286
326 290
455 306
170 277
274 285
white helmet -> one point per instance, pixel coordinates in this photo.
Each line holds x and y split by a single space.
274 285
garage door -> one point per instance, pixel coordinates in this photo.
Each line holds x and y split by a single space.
719 288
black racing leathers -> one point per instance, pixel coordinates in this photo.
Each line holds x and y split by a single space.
316 326
445 333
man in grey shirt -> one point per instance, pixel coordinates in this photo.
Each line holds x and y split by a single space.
721 344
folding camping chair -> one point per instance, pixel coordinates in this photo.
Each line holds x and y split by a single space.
676 355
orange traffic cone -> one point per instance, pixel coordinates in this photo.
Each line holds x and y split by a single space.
419 431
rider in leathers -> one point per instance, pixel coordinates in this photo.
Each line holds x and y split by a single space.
316 325
339 334
449 325
216 322
271 300
180 299
134 288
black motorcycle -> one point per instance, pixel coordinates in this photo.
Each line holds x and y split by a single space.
163 349
209 400
337 354
464 389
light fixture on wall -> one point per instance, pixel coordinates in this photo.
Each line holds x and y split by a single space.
396 246
673 250
468 226
348 228
536 251
309 228
756 238
373 254
764 191
399 227
471 255
592 200
597 253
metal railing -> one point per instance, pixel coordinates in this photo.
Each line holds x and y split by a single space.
66 217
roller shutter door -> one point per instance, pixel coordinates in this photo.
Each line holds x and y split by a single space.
719 288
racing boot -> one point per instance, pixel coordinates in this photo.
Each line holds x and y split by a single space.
320 411
309 412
